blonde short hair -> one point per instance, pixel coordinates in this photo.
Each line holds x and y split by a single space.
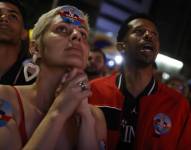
45 20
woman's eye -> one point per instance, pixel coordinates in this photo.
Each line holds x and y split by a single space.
61 29
84 35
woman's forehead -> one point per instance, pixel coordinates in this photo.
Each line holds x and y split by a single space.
59 20
72 15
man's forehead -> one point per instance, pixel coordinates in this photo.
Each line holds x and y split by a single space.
138 22
9 7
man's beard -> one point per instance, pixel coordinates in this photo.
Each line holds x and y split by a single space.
7 42
92 72
6 37
138 62
143 64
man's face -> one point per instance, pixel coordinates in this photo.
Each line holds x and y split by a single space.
65 45
11 24
177 84
142 42
96 63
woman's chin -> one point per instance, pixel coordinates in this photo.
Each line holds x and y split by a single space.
76 64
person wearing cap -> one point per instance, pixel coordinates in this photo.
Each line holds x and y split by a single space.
141 113
53 112
13 43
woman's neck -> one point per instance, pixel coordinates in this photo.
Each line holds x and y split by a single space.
45 87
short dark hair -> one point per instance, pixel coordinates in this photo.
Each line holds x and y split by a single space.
19 5
124 27
101 52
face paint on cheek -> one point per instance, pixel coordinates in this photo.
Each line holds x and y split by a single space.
5 112
72 15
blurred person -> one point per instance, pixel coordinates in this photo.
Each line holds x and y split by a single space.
189 90
53 112
13 43
141 113
96 64
179 84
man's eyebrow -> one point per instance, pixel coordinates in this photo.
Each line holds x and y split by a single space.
14 11
10 11
139 26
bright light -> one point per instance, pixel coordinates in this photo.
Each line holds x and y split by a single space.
111 63
118 59
169 62
110 34
165 76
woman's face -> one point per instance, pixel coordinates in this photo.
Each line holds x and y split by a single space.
65 45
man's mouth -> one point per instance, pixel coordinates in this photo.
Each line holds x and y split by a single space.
3 25
147 48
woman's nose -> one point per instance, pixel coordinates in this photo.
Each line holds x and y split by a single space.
75 35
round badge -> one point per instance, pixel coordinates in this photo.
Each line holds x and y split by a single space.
162 123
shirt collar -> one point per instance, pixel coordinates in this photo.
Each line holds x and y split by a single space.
149 89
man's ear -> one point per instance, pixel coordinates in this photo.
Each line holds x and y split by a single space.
34 48
24 34
158 49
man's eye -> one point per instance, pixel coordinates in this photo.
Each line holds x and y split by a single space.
13 17
155 34
139 31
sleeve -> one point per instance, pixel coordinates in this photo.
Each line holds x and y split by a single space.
185 138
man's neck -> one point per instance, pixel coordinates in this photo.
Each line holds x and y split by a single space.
137 79
8 56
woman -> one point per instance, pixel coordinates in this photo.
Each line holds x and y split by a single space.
53 113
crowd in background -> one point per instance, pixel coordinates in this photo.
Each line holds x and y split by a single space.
59 83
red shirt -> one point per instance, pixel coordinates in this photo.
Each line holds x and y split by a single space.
164 101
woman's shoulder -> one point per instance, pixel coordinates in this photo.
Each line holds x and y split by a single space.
7 92
10 95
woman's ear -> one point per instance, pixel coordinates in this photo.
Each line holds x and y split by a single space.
34 49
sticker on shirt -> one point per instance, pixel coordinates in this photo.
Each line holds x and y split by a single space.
162 123
5 112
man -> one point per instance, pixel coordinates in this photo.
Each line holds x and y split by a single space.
13 44
141 113
96 64
179 84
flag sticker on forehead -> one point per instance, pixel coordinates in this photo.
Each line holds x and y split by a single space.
72 15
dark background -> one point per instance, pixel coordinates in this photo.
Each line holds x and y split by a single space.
173 18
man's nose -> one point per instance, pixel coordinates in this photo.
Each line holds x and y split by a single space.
75 35
4 18
148 35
